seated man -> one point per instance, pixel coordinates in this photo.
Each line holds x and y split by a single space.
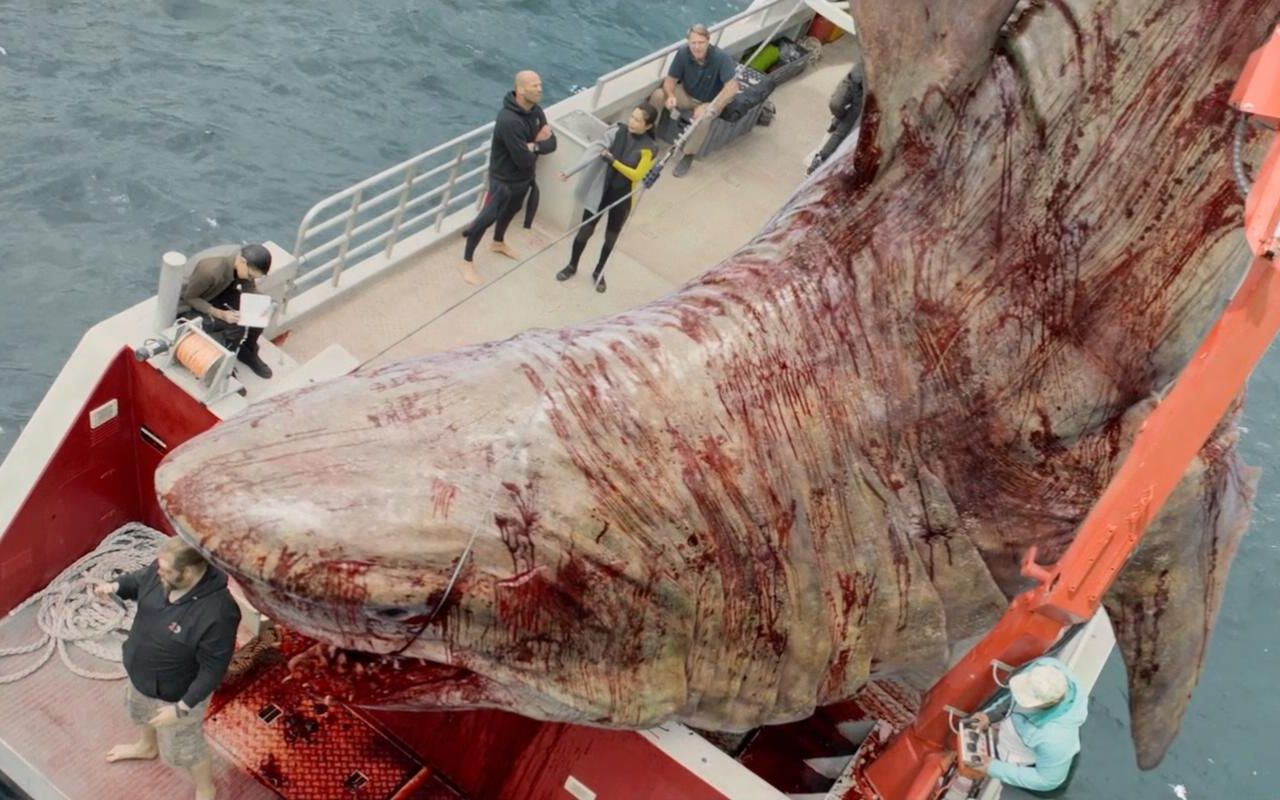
702 80
1040 735
213 292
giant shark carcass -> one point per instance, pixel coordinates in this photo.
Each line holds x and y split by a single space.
820 462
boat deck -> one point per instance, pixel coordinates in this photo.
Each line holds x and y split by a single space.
680 228
59 726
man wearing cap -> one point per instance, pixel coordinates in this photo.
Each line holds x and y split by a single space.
1040 735
213 293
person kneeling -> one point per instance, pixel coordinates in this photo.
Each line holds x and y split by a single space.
1039 736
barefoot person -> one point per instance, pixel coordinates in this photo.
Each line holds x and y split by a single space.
520 135
178 649
616 166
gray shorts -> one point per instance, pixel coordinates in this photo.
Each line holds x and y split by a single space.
182 743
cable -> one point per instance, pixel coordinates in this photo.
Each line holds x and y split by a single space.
69 612
650 178
197 354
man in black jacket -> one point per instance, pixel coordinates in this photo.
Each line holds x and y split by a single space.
520 135
182 639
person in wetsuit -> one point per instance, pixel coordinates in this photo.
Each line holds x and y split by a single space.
520 135
615 167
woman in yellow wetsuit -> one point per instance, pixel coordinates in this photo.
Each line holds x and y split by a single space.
615 166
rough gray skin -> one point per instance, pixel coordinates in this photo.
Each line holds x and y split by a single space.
821 461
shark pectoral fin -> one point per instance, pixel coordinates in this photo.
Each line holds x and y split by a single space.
1164 603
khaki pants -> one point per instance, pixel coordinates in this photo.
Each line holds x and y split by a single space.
685 103
182 743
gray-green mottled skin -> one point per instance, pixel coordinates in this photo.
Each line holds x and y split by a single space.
821 461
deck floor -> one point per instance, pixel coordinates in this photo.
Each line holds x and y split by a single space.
423 306
62 726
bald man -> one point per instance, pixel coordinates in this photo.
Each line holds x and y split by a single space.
520 135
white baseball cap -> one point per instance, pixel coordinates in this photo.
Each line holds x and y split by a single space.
1040 686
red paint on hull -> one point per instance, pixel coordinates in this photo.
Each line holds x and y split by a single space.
97 479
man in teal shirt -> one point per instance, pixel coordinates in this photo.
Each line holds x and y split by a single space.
1040 735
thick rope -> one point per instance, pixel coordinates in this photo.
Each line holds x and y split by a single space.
70 612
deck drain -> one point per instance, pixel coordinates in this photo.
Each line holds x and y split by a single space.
269 713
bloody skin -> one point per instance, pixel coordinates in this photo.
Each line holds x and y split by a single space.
821 461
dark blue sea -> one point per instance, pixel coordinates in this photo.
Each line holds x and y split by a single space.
131 127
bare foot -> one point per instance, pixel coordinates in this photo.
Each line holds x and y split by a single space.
504 249
138 751
469 273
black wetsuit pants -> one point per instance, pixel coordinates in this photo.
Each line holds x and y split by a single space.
617 218
531 204
500 207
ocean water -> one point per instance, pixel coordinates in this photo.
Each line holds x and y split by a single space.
131 127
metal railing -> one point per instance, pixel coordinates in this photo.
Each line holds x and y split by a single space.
381 211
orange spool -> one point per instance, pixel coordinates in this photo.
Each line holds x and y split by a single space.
197 354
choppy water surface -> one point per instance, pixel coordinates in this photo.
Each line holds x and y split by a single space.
130 127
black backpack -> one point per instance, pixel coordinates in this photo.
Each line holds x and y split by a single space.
756 88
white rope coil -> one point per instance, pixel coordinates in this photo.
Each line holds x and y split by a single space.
70 612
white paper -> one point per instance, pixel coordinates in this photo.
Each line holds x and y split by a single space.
255 310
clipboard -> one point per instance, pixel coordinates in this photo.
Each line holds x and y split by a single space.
255 310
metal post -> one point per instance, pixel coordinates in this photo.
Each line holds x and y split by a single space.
173 271
346 235
404 200
448 187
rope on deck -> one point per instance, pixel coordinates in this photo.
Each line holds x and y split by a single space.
70 613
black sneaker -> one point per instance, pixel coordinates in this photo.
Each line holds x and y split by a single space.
683 166
566 273
253 361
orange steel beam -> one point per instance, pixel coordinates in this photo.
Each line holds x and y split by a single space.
913 764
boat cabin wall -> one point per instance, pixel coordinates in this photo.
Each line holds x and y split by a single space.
100 475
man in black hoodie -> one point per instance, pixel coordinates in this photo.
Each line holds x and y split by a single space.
520 135
182 639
